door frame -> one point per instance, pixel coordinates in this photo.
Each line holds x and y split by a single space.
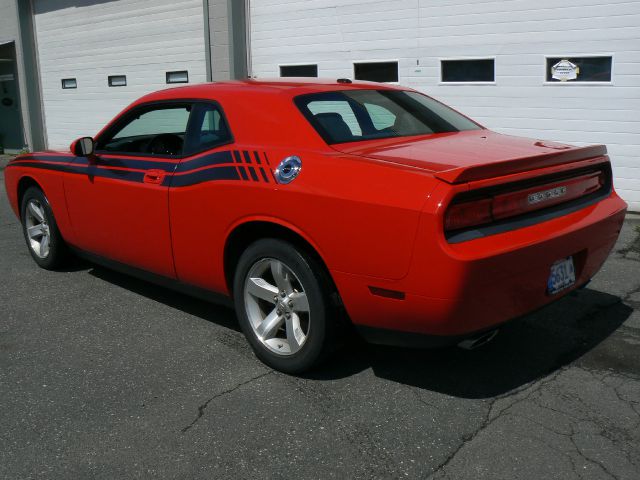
13 60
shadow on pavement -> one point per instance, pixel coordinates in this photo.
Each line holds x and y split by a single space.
211 312
525 350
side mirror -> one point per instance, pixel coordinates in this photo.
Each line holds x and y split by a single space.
83 147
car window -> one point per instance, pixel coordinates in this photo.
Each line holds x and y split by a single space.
380 116
209 128
355 115
157 131
336 111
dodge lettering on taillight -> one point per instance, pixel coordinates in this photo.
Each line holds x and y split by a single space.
538 197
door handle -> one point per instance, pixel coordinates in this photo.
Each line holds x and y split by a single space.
154 176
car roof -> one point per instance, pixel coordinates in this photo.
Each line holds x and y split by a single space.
278 86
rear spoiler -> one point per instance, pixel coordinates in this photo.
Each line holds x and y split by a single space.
518 165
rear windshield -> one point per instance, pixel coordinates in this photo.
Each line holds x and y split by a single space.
356 115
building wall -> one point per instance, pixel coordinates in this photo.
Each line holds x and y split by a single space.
10 32
228 30
92 39
517 33
220 40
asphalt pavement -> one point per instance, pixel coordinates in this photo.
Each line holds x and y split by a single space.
103 376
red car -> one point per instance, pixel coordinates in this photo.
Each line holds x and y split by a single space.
309 204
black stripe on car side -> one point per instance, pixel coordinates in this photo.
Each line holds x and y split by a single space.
131 176
49 158
205 161
111 167
256 156
243 172
228 172
266 159
115 162
90 171
250 169
48 166
188 179
134 163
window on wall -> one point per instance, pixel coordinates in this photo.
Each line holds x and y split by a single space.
471 70
178 77
579 69
69 83
298 70
376 71
117 80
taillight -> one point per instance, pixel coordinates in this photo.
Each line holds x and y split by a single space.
467 214
518 202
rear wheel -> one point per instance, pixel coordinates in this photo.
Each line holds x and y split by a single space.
281 295
41 230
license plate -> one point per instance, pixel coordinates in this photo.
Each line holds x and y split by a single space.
563 275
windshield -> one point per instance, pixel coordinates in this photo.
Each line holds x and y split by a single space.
356 115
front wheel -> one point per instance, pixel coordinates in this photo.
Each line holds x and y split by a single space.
41 230
281 298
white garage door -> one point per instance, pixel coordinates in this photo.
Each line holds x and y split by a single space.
90 40
515 37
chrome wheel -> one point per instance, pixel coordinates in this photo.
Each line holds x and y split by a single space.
277 306
38 231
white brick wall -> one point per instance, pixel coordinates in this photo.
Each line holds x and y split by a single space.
91 39
518 33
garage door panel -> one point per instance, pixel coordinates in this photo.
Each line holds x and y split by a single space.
90 40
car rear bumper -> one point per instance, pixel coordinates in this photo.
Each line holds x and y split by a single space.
453 291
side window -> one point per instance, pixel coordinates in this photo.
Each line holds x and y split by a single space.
337 118
157 131
208 128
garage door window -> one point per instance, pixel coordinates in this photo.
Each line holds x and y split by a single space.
181 76
117 80
69 83
298 70
157 131
376 71
473 70
579 69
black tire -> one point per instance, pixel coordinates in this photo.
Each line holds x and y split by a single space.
322 320
57 254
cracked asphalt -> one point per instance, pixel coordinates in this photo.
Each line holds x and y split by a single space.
103 376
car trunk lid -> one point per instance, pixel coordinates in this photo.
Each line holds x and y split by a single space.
460 157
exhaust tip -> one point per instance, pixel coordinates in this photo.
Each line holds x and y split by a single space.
477 341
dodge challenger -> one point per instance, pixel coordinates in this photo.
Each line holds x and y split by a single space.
310 206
